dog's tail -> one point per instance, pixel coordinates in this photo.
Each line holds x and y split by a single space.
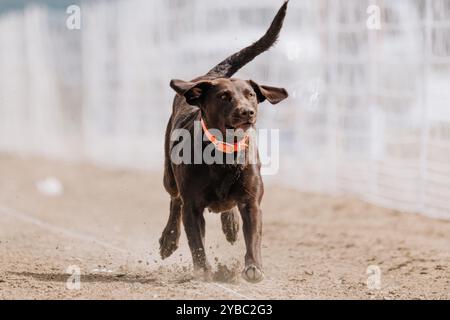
232 64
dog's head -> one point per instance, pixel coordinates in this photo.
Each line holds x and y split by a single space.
228 103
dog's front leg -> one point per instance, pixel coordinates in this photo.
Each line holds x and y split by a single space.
252 227
194 225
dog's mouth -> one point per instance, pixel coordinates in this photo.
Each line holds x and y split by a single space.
245 125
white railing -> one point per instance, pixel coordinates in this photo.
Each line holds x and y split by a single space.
368 114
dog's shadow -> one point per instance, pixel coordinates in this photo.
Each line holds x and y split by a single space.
89 278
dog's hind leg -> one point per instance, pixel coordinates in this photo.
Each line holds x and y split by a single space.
171 234
230 224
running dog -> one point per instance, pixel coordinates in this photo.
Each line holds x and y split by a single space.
218 101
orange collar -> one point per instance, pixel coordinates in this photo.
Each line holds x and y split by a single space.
224 146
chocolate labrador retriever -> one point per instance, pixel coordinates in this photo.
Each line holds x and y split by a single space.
217 101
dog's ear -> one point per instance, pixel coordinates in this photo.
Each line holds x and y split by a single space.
272 94
192 91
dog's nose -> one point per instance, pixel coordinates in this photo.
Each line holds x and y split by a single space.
247 113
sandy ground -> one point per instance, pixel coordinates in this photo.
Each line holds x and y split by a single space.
107 224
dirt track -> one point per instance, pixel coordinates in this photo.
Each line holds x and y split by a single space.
108 222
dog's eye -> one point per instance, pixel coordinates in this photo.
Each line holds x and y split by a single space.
251 94
225 96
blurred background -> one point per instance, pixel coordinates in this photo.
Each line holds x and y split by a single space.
368 115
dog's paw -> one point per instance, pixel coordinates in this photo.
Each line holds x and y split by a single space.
253 274
168 243
230 226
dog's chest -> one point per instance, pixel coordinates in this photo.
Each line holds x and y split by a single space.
222 190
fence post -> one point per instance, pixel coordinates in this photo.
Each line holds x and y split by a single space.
373 94
331 105
427 52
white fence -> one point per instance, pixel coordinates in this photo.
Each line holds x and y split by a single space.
369 110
